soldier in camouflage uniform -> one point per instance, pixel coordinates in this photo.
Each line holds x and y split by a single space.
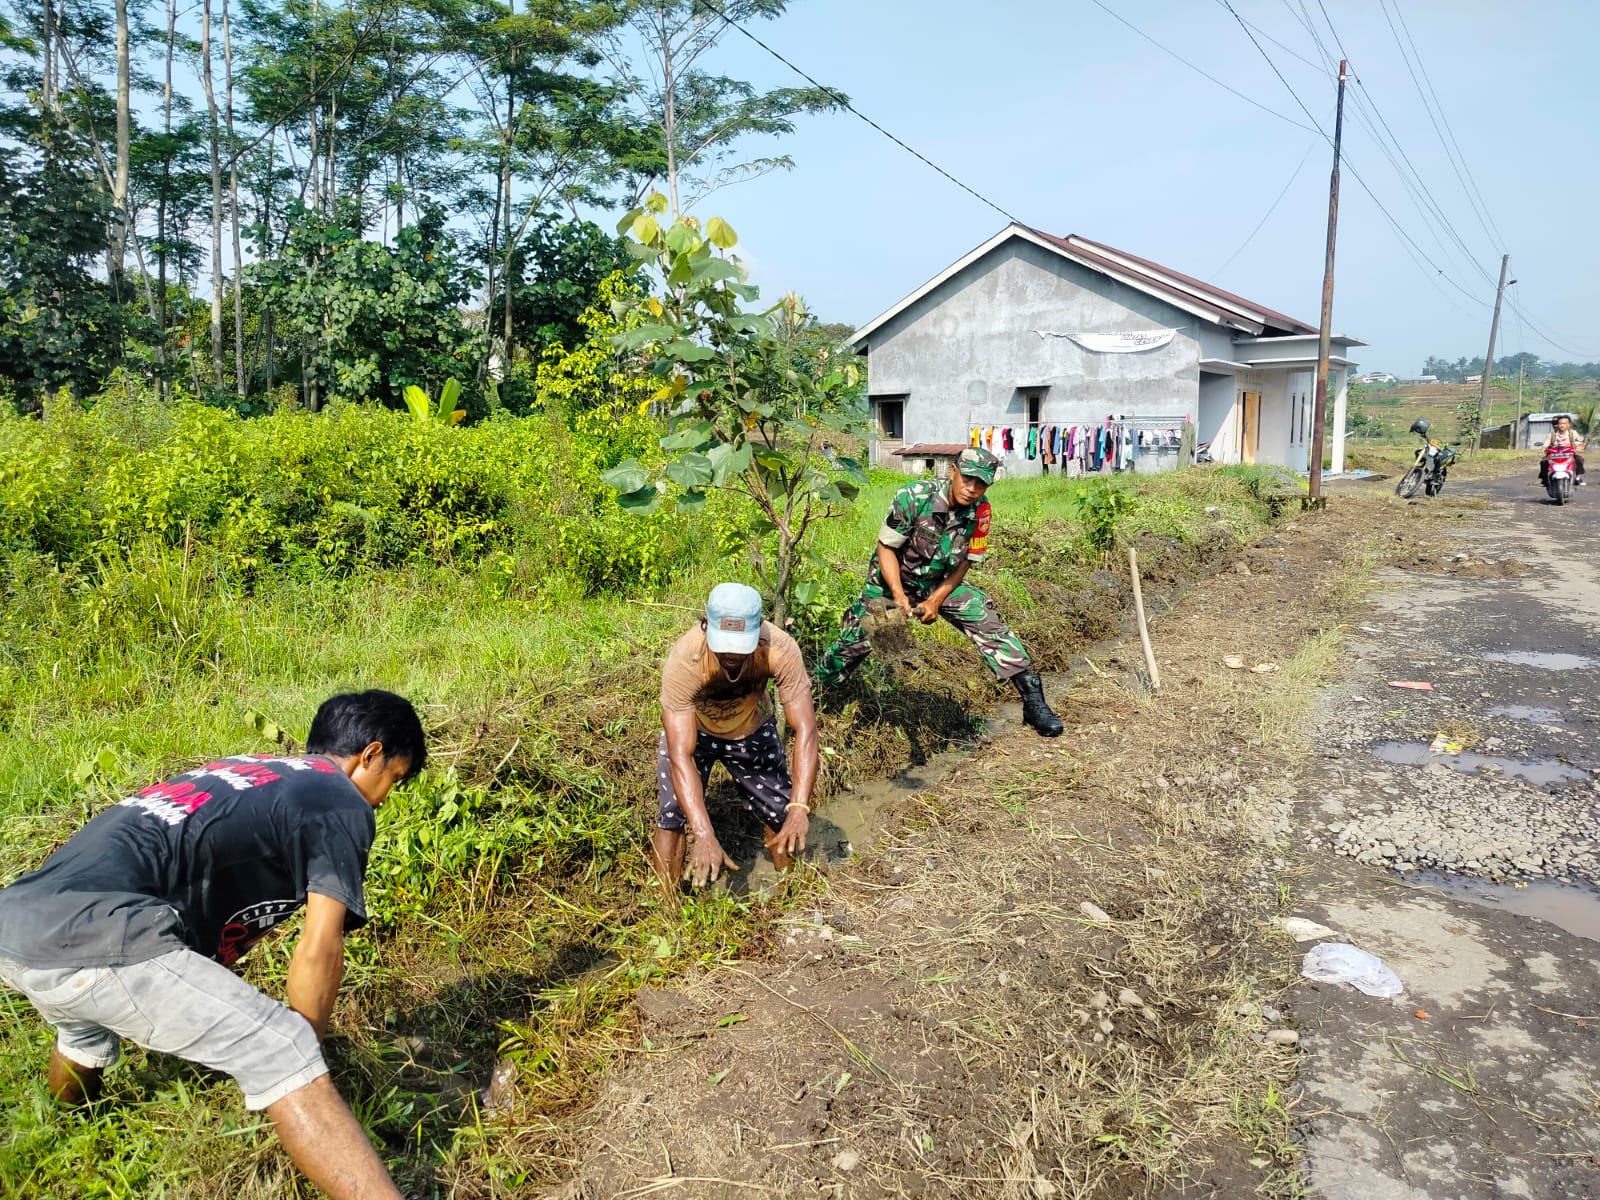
935 530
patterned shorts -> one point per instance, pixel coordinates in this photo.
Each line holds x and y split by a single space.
756 762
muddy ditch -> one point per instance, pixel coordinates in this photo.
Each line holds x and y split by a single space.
545 964
1052 975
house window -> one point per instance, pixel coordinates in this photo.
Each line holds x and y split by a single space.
892 419
1033 399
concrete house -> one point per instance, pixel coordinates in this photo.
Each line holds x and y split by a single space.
1032 330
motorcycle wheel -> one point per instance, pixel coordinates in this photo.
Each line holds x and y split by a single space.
1558 490
1409 483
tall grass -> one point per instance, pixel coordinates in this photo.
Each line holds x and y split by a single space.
131 648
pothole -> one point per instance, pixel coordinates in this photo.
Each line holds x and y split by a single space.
1548 660
1575 909
1546 772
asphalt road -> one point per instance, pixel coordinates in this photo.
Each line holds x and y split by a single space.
1471 878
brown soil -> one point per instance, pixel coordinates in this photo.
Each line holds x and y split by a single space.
950 1021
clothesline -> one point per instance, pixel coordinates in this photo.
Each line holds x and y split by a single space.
1115 445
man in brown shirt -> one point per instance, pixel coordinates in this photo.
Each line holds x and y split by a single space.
715 708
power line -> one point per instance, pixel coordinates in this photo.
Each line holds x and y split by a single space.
1455 166
1202 71
1394 224
1295 175
844 102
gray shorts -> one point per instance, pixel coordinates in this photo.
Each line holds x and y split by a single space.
180 1003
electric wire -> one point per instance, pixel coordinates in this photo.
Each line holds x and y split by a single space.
1382 208
1265 216
1455 166
844 102
1202 71
1466 166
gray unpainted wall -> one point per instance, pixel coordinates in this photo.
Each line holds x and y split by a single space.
963 354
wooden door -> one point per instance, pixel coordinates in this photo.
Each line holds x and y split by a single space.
1250 425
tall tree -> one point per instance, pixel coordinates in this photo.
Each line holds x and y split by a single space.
698 117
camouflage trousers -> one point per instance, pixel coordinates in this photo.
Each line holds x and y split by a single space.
968 609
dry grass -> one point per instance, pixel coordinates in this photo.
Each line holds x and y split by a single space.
952 1023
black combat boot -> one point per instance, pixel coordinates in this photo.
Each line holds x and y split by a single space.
1035 711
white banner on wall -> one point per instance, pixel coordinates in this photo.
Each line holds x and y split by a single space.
1130 342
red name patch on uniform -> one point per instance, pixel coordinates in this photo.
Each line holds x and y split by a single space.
980 532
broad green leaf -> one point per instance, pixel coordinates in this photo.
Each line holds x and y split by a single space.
773 460
714 269
417 402
691 470
646 228
682 271
106 760
626 477
642 502
692 436
448 395
721 233
727 459
806 591
628 218
691 501
656 202
681 239
851 467
686 351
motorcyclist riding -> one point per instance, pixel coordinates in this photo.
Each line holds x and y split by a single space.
1562 436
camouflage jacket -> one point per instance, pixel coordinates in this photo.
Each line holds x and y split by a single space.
930 538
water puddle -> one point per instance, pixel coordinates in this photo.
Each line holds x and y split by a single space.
1575 909
1522 712
1543 772
1548 660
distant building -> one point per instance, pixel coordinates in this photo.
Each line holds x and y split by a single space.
1030 332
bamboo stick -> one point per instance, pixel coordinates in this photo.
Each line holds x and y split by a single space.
1144 629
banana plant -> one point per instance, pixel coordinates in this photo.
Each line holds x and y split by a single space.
423 409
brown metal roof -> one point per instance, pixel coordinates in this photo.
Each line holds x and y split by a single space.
934 449
1167 280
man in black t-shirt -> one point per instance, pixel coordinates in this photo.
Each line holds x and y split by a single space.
129 930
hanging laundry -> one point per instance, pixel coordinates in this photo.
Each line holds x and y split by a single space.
1006 439
1033 442
976 432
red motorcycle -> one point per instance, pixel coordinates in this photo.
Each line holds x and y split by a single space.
1560 472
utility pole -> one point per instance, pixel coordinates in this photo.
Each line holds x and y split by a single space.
1320 406
1488 359
1516 425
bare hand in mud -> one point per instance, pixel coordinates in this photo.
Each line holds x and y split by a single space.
707 860
791 838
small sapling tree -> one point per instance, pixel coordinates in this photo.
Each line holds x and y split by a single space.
749 412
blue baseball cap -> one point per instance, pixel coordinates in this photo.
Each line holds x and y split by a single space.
733 619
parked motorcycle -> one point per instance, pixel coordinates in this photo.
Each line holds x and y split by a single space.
1560 472
1428 472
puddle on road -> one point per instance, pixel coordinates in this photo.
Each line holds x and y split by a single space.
1543 772
1548 660
1575 909
1522 712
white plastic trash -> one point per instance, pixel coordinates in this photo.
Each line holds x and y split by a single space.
1340 962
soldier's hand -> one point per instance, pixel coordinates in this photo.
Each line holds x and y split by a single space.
927 612
707 860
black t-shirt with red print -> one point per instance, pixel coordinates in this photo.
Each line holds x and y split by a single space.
210 860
